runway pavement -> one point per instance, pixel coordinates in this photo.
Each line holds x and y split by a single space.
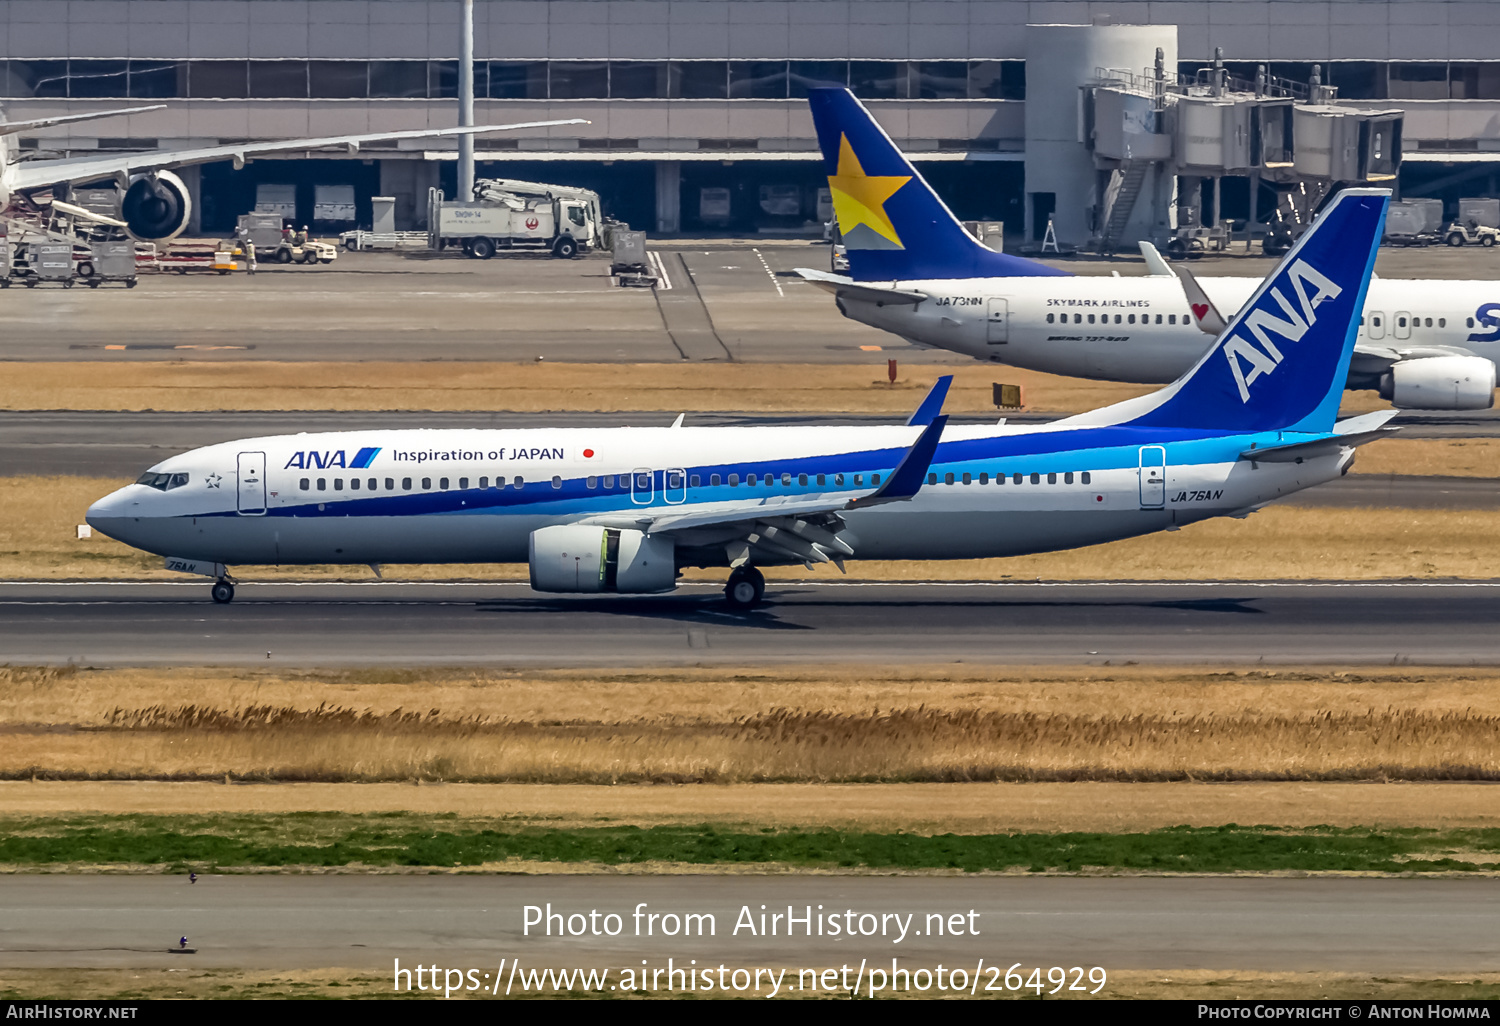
507 624
295 922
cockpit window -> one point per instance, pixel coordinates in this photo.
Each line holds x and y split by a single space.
162 482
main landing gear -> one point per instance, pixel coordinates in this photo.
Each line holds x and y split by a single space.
745 589
223 592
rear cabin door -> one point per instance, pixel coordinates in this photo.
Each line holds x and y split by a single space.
1153 477
997 331
252 484
1402 328
1376 327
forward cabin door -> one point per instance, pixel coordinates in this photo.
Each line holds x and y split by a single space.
997 331
252 484
1153 477
642 486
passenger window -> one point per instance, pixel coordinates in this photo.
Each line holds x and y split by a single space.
372 484
484 482
674 480
390 484
322 484
1375 321
304 484
518 483
786 479
443 483
932 479
1052 479
643 482
734 480
1015 479
338 484
557 481
609 480
874 479
838 480
947 479
593 483
426 484
463 483
1091 318
695 481
751 479
1117 318
1036 478
821 480
1068 477
1050 318
1078 319
968 479
1442 322
1400 322
859 480
1086 478
801 479
406 484
1132 319
1429 322
713 480
1158 318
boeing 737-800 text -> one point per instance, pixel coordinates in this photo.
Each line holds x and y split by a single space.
624 509
916 273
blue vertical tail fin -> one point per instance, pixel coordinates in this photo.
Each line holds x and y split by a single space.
1283 361
894 226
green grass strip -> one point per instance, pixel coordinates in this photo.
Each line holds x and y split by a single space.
334 840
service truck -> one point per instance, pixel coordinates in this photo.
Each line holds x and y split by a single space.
507 213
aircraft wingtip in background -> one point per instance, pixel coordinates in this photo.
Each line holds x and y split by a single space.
894 226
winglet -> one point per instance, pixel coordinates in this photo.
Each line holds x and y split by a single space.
1205 314
906 480
932 405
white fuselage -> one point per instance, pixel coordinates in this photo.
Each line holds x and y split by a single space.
1140 329
439 496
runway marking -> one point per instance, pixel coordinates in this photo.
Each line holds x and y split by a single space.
769 273
664 280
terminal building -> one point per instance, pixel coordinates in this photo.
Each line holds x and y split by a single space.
696 109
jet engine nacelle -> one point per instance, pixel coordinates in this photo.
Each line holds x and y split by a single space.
581 558
156 207
1440 383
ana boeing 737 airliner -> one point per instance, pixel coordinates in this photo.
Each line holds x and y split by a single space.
915 272
624 509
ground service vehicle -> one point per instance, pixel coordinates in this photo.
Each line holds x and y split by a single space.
510 214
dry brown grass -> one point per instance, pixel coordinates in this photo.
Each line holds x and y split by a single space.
699 725
1457 457
536 388
39 515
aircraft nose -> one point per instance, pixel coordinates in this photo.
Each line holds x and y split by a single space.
110 513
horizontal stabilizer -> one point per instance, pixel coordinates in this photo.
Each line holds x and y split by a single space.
841 286
1326 446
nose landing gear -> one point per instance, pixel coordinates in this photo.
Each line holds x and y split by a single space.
745 588
223 592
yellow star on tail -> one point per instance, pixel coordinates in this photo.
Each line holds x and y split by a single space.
860 199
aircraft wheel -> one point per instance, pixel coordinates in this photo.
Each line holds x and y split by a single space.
745 589
223 592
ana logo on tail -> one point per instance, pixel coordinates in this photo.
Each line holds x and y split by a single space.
859 202
1263 360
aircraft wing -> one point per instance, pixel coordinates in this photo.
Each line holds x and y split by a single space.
16 127
842 286
1371 358
36 174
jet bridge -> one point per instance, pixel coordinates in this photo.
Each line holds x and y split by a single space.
1159 126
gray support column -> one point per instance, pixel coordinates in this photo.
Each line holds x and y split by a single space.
668 196
192 177
466 101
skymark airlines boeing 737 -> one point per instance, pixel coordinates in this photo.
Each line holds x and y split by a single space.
915 272
623 509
